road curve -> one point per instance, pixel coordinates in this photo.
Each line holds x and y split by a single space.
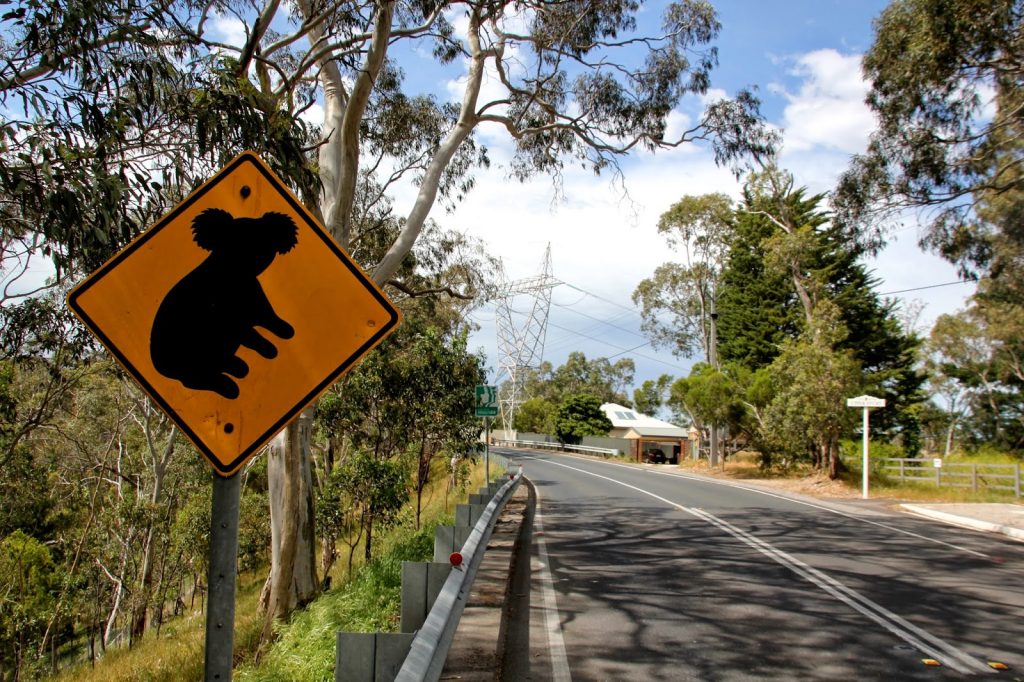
642 573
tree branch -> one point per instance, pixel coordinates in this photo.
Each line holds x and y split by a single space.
411 293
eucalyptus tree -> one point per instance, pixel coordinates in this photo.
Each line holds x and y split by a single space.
947 92
708 396
972 369
442 378
127 107
699 230
812 377
599 377
569 83
703 231
946 87
958 362
652 394
535 415
779 262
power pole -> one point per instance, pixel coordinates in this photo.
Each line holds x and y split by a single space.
713 358
521 345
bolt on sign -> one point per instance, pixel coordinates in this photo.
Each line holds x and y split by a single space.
235 311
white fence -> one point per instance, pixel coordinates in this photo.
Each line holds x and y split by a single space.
977 477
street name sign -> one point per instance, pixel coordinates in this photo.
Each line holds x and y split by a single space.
865 401
486 401
235 311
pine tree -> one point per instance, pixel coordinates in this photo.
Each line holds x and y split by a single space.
759 310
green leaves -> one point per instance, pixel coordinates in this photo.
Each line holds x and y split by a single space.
535 415
578 416
26 598
598 377
939 139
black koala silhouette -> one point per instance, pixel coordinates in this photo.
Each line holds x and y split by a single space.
216 308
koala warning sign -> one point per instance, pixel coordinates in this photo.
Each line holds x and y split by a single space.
235 311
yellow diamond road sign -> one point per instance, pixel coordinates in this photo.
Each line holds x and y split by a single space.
235 311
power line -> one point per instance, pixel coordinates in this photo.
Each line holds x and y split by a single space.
573 332
646 343
604 322
620 348
930 286
600 298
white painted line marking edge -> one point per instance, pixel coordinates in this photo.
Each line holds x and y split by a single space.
955 658
552 622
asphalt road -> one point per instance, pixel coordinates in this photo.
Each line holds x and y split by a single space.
641 573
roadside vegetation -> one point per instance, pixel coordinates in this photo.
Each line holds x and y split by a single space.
365 600
803 478
116 111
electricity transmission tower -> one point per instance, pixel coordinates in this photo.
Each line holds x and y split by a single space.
521 344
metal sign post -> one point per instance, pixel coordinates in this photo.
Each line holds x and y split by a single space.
220 608
487 407
866 402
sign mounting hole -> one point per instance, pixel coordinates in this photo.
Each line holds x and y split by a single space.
229 427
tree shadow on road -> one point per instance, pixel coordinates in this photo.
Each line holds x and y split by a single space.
656 593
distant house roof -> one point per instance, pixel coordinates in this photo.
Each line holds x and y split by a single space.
643 425
655 432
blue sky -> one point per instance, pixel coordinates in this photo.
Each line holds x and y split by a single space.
804 58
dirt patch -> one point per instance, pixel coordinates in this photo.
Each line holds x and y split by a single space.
806 483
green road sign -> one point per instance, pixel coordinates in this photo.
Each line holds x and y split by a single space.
486 401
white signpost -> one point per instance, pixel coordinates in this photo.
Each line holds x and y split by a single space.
866 402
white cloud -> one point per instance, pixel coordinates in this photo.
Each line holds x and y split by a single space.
605 242
677 124
904 266
712 95
602 240
987 96
314 115
828 110
229 30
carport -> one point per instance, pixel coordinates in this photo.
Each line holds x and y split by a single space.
647 433
674 443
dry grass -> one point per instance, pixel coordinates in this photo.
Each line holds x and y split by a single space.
804 480
177 654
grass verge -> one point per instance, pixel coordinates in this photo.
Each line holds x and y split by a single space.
366 601
369 602
802 478
177 654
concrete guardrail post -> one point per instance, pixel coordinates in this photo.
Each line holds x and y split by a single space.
381 657
365 656
421 583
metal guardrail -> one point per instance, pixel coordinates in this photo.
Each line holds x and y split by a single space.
545 445
1005 477
431 644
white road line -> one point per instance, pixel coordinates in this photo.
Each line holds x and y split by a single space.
934 648
830 511
923 641
769 493
552 621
